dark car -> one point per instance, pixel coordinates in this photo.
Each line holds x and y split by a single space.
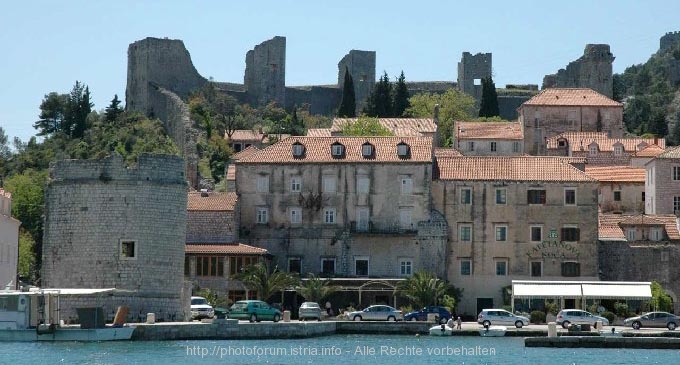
254 311
442 313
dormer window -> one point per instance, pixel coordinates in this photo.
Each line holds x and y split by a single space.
593 149
337 150
561 142
298 149
367 150
618 150
403 150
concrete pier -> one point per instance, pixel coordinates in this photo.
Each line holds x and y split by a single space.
604 342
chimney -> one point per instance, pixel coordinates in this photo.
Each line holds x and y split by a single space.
204 192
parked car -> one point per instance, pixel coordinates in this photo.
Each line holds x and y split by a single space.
653 319
200 308
490 317
377 313
578 316
421 315
254 311
221 312
309 310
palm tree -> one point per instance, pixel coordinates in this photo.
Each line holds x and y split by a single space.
316 289
424 288
257 277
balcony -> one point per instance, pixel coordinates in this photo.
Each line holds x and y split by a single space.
387 229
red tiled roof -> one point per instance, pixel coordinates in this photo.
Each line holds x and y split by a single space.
318 150
571 97
402 127
231 172
579 141
446 152
650 151
671 153
244 153
609 227
318 132
245 135
617 173
213 202
488 130
229 249
515 168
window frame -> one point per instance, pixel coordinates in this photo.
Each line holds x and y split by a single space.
616 195
295 184
570 272
567 237
295 212
493 146
363 184
566 197
406 218
324 260
466 196
368 265
467 227
210 266
461 267
505 266
262 184
542 196
299 264
531 269
501 231
405 266
329 215
503 194
406 186
124 250
675 173
329 184
262 215
531 233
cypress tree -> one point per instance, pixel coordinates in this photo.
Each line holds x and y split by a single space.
113 110
400 97
489 104
348 103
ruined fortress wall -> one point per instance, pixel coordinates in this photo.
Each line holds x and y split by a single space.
92 206
668 40
621 261
592 70
322 100
361 66
265 76
163 62
471 68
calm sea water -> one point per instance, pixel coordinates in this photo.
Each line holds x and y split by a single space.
336 349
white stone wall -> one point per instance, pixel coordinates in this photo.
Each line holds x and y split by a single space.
662 188
94 205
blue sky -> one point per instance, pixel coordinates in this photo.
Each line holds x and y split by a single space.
48 45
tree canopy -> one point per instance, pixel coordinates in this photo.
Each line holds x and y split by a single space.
365 126
258 277
453 105
348 103
424 288
489 103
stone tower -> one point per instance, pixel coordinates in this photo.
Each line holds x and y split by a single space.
471 70
593 70
361 66
669 40
111 226
155 62
265 76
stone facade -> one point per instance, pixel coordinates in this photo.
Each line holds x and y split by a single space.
498 235
362 66
662 185
489 138
348 218
9 242
265 76
112 226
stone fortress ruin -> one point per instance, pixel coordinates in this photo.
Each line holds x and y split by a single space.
161 74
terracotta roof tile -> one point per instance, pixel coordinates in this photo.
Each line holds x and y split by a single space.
579 141
244 153
318 132
489 130
609 227
231 172
401 127
671 153
229 249
318 150
650 151
245 135
617 173
571 97
446 152
213 202
515 168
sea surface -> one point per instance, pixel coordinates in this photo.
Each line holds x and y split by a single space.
336 349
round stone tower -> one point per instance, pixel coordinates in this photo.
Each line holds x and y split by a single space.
112 226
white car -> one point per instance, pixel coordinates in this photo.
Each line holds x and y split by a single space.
200 308
578 316
490 317
377 313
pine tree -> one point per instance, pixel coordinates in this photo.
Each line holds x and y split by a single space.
489 104
113 110
380 102
348 103
400 97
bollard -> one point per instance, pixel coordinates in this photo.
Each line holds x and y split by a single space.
286 316
150 318
598 325
552 329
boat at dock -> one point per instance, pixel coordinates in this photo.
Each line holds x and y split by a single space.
441 330
34 316
493 331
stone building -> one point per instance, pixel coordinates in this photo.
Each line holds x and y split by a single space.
112 226
344 207
213 252
593 70
515 218
471 70
662 185
641 248
555 111
621 190
9 242
489 138
599 148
